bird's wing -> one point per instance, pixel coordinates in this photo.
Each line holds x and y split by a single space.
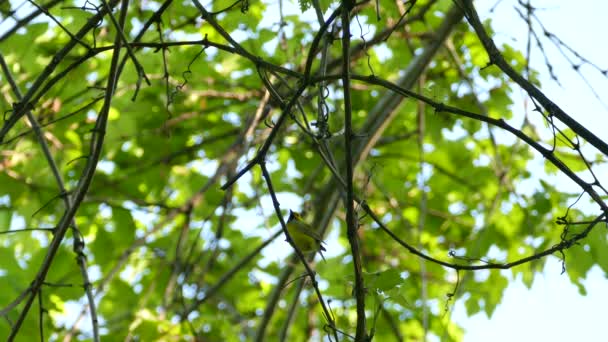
306 230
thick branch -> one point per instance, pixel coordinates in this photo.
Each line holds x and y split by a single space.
351 221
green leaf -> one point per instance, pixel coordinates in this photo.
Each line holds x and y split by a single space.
384 280
5 219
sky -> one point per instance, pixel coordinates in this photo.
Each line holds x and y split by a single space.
553 310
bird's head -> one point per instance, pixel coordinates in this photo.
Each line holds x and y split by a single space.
294 216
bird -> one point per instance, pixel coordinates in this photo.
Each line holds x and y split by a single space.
303 235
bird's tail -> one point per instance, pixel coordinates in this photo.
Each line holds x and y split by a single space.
321 250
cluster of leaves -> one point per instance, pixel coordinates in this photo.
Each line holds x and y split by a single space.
171 255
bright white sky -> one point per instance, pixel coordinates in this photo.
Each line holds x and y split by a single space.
553 310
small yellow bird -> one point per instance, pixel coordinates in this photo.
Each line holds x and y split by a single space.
303 235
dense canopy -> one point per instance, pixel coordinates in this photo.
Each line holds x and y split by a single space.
150 152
